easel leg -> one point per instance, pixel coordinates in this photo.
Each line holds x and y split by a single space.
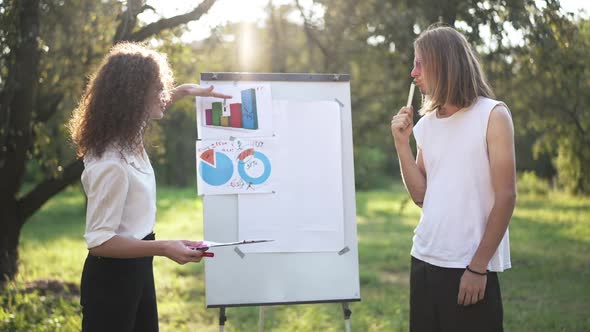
347 312
222 319
261 319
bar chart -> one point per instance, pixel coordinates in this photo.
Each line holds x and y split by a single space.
242 115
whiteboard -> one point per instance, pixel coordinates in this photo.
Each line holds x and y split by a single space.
327 272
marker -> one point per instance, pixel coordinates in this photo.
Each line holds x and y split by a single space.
205 253
411 94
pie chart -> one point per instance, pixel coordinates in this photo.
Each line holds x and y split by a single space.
215 168
254 166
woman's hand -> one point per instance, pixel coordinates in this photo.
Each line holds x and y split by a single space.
190 89
178 251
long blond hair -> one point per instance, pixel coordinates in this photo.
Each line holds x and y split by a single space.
451 68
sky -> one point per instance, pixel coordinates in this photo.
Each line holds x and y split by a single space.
226 11
223 11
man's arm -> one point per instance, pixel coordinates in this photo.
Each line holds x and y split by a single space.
413 171
500 138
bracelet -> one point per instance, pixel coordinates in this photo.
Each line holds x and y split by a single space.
478 273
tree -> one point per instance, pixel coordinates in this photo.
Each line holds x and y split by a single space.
27 102
554 78
373 39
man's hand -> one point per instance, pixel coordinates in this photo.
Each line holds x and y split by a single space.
402 124
472 288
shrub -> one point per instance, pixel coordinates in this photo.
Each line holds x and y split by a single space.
529 183
27 308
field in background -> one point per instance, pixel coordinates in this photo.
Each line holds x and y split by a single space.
546 290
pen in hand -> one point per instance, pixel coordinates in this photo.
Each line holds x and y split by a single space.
411 94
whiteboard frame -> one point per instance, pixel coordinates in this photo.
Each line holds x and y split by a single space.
296 278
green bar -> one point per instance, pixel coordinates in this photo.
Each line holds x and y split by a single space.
216 114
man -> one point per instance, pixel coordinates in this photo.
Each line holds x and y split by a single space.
464 179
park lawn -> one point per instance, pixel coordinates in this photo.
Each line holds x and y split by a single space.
546 290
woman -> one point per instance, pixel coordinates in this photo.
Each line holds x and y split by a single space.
132 86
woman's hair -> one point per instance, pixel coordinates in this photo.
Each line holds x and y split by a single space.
451 69
113 110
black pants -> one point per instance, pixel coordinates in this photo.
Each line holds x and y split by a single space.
433 302
118 294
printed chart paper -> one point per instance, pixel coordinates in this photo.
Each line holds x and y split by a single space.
235 166
247 114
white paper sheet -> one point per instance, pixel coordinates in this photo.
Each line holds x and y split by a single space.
305 214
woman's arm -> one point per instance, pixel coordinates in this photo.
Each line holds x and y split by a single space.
190 89
122 247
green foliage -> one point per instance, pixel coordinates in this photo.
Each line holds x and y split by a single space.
550 81
368 168
544 81
28 310
74 35
529 183
572 162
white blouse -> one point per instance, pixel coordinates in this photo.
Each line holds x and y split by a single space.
121 191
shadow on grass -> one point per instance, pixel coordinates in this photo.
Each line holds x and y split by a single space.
559 202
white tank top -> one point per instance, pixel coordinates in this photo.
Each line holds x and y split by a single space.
459 195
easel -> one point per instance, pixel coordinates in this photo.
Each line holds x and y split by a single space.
320 105
223 318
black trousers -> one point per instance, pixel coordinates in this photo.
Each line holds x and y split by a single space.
433 302
118 294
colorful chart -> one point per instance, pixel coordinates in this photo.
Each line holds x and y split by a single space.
245 154
245 162
208 157
244 115
215 168
236 166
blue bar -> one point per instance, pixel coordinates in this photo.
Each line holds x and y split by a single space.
249 110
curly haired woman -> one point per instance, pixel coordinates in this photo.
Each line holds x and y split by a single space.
132 86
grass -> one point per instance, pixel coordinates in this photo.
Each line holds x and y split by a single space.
546 290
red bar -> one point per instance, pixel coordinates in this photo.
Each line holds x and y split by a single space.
235 117
209 117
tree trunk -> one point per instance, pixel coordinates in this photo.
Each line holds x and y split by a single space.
10 227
